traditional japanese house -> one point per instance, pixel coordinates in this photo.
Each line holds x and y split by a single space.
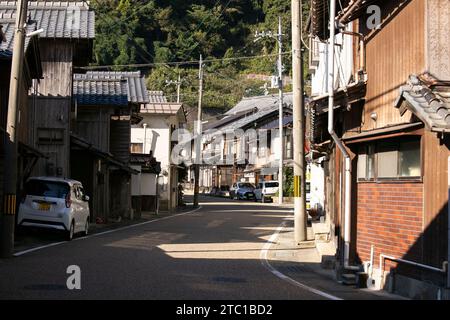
105 106
393 116
31 70
66 41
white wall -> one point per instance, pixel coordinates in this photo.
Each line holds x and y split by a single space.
157 140
148 184
317 185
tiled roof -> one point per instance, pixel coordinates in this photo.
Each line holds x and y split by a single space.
6 48
157 97
161 108
136 88
252 104
68 19
159 105
428 99
99 92
253 118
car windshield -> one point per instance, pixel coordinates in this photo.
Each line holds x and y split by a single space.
246 185
51 189
271 184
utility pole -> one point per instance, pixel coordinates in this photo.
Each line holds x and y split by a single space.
198 140
280 120
279 37
178 84
10 182
300 215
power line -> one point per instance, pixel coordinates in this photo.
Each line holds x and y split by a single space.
179 63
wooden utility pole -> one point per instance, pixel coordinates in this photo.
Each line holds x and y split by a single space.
300 215
10 170
198 140
281 113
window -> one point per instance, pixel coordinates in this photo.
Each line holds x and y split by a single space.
50 136
409 159
387 166
44 188
271 184
393 159
136 148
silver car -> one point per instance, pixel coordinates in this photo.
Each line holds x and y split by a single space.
242 190
54 203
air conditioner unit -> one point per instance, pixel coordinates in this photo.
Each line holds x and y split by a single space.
314 54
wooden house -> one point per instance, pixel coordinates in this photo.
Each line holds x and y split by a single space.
105 106
66 42
32 70
393 117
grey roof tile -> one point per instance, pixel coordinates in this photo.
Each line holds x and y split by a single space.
258 103
70 20
157 97
6 48
137 90
99 92
429 103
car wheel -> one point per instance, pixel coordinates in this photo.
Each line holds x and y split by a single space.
71 232
86 227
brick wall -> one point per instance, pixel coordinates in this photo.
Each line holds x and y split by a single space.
390 218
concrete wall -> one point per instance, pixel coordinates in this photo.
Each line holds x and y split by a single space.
438 38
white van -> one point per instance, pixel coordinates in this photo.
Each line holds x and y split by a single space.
265 190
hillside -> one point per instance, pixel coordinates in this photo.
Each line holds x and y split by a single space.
158 32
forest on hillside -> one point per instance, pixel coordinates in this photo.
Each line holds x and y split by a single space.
155 34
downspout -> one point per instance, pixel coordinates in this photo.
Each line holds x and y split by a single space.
145 138
339 144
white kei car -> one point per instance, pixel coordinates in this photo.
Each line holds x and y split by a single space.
54 203
265 190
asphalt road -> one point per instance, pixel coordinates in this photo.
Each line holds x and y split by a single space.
212 253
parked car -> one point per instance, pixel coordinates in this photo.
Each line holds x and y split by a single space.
223 191
242 190
265 190
54 203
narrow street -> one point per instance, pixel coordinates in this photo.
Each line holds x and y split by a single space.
214 252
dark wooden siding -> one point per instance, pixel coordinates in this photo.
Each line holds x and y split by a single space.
120 139
51 112
57 68
93 124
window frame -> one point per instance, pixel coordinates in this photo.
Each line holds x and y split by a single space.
397 142
51 141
